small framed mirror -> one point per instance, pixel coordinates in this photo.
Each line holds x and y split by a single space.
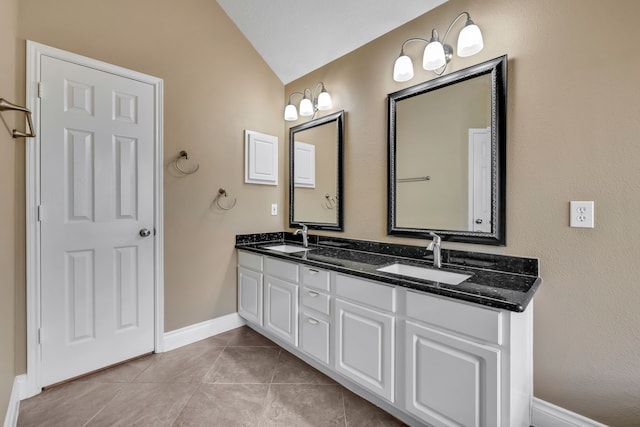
447 158
315 173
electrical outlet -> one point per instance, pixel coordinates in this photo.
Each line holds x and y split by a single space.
581 214
274 209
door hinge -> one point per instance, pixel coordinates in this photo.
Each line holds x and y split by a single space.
40 213
40 90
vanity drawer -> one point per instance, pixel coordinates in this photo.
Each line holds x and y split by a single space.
315 278
282 269
467 319
249 260
315 337
315 300
366 292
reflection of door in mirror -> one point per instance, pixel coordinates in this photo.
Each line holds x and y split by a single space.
480 180
432 140
315 174
304 165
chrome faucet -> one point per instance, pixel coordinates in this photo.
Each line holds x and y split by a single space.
305 237
434 246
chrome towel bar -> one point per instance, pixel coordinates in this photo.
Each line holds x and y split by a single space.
8 106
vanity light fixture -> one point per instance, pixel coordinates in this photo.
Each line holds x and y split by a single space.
438 54
310 103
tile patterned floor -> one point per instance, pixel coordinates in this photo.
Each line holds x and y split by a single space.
238 378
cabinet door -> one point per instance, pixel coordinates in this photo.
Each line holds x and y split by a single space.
281 309
250 295
450 381
365 347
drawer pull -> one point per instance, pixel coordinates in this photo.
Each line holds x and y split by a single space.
312 294
312 271
312 321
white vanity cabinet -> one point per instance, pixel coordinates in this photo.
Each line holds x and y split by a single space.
281 299
461 367
365 334
427 359
250 286
450 381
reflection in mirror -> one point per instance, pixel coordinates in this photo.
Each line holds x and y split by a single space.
315 179
446 156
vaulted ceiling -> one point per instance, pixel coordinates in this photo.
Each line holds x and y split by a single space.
296 37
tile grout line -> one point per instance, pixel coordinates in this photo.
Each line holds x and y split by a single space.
262 420
151 363
105 405
212 365
173 422
344 406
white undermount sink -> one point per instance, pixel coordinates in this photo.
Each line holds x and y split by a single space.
287 248
432 274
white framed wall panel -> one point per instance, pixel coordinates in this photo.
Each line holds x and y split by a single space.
261 158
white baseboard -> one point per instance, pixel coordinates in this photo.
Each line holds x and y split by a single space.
17 392
202 330
546 414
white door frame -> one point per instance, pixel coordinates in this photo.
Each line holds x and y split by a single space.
35 51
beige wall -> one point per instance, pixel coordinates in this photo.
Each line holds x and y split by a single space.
9 194
573 131
215 86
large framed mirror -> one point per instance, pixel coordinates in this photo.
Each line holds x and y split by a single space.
447 156
315 173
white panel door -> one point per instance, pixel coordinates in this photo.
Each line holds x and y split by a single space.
281 309
250 295
365 347
450 381
480 180
97 205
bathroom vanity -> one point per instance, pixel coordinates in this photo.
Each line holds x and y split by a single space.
428 352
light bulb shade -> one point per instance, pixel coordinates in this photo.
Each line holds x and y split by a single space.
470 40
324 101
306 107
433 56
403 69
290 113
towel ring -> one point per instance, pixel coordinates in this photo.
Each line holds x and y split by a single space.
222 194
329 202
184 156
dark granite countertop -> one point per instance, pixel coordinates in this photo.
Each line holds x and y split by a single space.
496 280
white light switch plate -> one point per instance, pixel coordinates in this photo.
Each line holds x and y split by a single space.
582 214
274 209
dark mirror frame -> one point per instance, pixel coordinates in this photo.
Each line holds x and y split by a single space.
497 68
339 119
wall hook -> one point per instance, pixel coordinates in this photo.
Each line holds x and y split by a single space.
8 106
184 156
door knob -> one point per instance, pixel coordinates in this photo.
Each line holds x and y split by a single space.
145 232
478 221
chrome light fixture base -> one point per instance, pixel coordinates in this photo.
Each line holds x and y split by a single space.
437 54
311 102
